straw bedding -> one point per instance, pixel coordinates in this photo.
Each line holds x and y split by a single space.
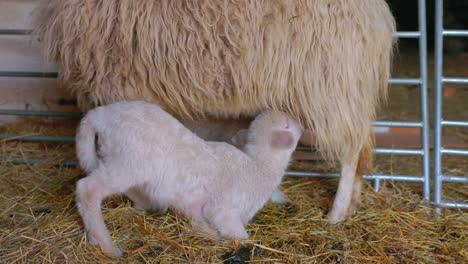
39 222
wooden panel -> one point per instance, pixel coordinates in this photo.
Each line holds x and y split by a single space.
23 53
15 14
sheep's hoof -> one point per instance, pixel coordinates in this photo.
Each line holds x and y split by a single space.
113 251
355 205
335 218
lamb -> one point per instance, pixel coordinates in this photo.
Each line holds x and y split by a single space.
151 157
234 132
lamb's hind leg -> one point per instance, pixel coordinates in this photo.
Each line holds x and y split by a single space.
90 192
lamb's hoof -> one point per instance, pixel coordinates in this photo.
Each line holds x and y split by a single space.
92 239
138 207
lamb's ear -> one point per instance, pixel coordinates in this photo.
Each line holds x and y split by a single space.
240 139
282 140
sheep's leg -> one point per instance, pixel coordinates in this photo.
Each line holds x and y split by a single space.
90 192
365 165
357 193
342 203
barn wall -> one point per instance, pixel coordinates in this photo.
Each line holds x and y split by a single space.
22 53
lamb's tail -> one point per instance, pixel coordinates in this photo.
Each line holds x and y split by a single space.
86 145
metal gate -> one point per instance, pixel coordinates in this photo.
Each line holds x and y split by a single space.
423 124
440 123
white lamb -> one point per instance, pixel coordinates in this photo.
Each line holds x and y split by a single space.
146 154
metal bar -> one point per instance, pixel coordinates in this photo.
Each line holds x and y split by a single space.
452 205
399 151
15 31
377 185
37 138
438 102
455 33
424 104
405 178
67 163
312 174
454 123
450 178
396 124
28 74
407 34
409 81
450 151
457 80
40 113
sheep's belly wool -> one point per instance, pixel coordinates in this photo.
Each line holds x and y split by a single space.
324 62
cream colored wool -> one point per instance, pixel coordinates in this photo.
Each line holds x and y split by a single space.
326 62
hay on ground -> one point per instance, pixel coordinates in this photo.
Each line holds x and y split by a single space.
39 220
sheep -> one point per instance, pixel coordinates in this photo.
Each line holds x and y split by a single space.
158 163
324 62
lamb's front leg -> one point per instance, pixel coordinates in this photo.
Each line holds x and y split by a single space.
228 224
200 225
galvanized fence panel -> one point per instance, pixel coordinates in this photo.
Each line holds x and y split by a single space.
422 124
440 123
